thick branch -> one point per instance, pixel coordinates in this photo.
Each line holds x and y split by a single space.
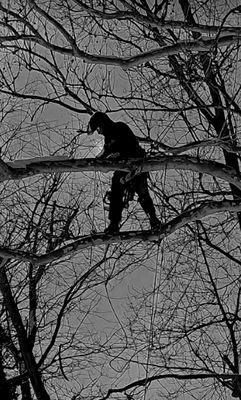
99 239
170 227
201 45
25 168
216 142
148 380
24 256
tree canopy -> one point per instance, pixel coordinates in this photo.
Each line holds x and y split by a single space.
138 314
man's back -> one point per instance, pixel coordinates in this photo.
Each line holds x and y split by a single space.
119 138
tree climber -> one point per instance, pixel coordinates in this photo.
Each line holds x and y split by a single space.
120 142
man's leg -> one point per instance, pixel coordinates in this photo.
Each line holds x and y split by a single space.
116 202
141 188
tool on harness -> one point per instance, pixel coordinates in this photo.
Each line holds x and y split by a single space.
106 200
128 196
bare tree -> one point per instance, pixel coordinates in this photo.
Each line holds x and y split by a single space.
138 314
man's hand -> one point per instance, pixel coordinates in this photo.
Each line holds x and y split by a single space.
113 156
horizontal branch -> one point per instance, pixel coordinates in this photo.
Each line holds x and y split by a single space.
26 168
191 215
216 142
178 222
7 253
201 45
146 381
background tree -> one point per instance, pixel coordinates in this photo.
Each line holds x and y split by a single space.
135 315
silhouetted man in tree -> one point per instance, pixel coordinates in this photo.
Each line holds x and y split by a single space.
120 142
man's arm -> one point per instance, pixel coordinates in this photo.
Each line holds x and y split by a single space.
108 150
120 142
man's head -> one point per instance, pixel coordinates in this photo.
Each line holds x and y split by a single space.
98 121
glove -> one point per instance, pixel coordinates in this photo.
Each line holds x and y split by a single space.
113 156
